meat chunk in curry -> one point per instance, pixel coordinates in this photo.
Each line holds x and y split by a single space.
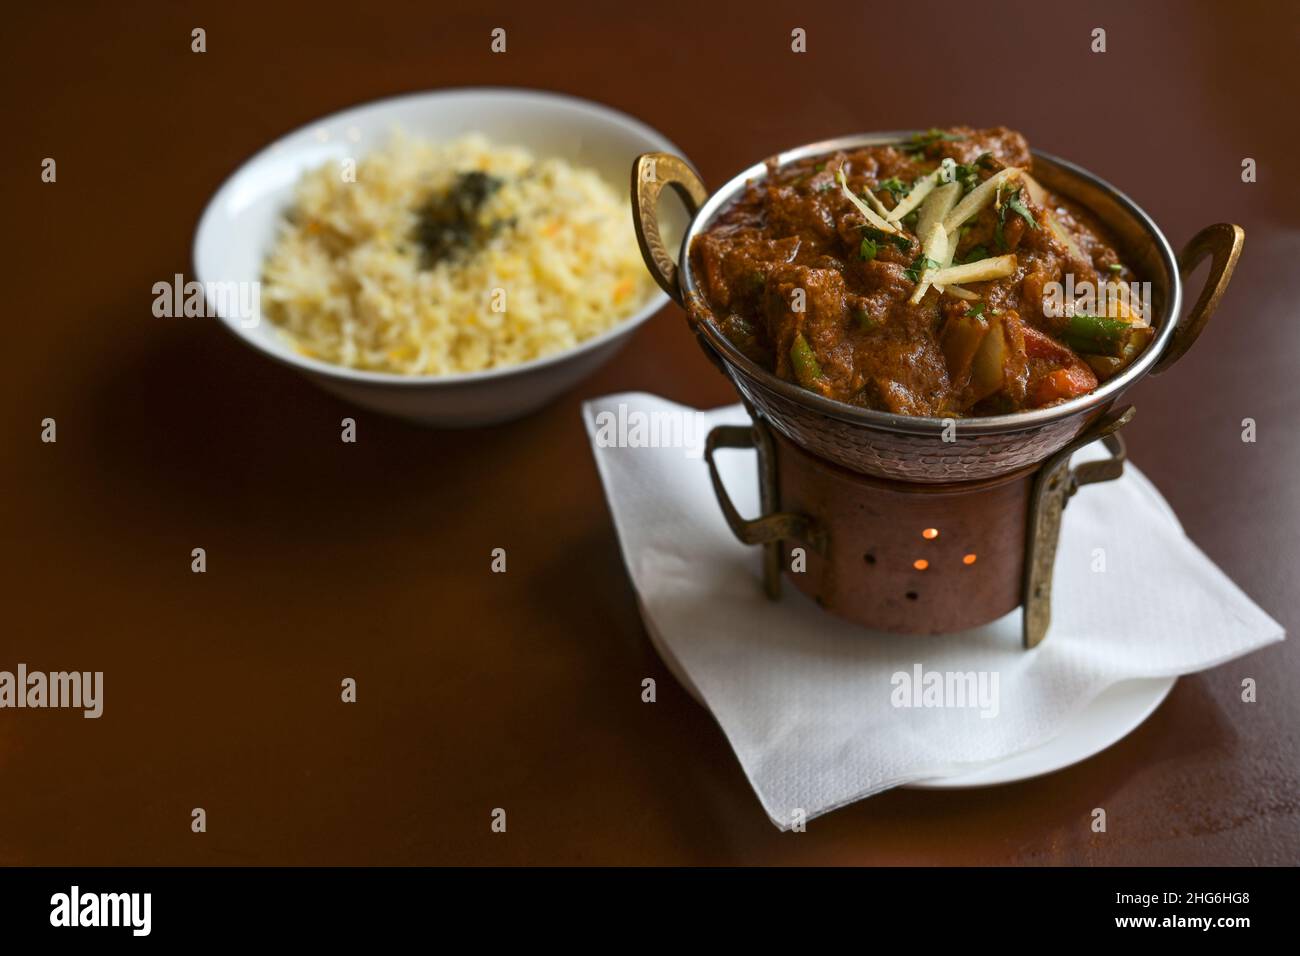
914 277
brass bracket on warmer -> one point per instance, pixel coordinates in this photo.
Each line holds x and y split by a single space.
771 527
1053 487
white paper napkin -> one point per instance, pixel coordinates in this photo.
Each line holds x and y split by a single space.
809 702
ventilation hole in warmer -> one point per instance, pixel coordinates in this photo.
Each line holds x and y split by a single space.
912 595
820 601
869 558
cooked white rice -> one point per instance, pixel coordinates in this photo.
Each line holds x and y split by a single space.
346 281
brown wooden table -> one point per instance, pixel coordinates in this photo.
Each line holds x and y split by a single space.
480 690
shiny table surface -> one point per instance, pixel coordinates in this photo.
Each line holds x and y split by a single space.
521 691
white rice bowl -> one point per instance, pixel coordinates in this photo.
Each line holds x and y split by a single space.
349 282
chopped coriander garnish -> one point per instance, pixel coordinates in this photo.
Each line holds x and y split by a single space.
899 240
868 249
894 186
1021 210
447 225
919 265
912 218
919 142
1013 204
965 175
976 309
976 254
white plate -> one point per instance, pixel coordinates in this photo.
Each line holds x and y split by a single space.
1111 716
239 225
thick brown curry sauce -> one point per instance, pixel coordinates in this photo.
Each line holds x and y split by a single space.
797 278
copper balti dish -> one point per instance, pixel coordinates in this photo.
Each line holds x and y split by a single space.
912 524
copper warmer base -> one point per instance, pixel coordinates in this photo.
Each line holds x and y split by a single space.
912 558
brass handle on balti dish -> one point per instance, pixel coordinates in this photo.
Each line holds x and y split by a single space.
650 174
1222 242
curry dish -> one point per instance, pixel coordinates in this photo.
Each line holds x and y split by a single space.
918 278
